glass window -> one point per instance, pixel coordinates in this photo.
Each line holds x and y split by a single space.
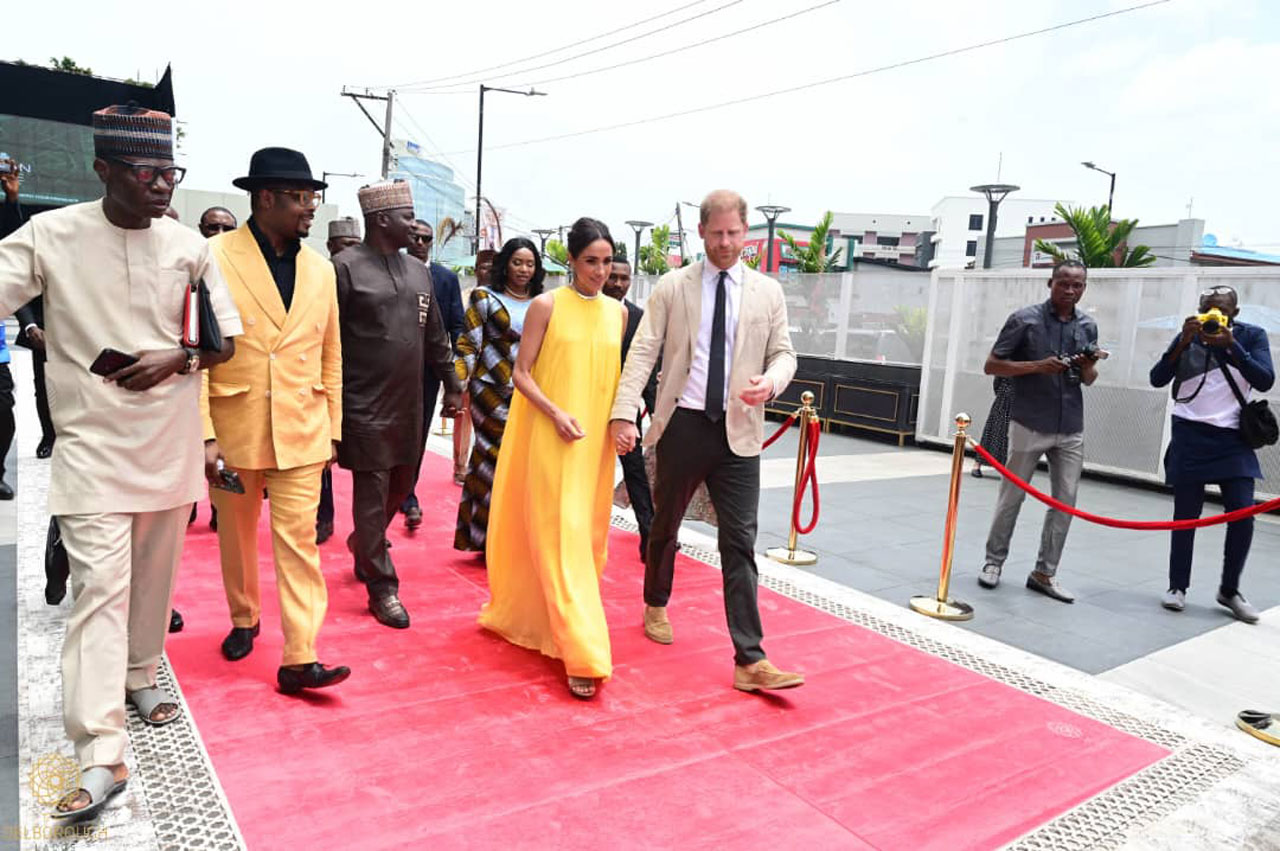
887 240
975 221
971 248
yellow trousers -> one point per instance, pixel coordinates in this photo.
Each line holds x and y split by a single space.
294 497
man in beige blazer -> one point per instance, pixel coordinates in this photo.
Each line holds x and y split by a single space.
722 329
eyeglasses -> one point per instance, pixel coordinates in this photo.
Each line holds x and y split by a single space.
147 174
425 239
305 197
1219 290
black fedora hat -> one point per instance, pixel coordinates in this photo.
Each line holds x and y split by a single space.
277 165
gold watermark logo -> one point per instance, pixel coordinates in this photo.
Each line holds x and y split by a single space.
52 777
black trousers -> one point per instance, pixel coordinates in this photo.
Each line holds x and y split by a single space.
430 391
47 433
693 449
637 480
1188 503
6 414
376 496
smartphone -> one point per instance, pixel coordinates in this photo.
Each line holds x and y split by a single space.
111 360
228 480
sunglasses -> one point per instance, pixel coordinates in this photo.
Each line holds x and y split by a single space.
305 197
218 228
147 174
417 237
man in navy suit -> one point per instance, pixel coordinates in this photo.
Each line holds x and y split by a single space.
449 298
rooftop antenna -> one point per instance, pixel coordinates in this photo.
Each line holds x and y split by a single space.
999 166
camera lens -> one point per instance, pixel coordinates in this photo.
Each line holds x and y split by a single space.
1212 326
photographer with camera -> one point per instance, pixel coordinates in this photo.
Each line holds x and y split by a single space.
1049 350
1215 363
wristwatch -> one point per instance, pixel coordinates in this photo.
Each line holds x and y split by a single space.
193 361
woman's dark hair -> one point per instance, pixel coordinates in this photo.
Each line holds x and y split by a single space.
498 277
586 231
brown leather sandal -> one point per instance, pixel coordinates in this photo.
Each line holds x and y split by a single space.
583 688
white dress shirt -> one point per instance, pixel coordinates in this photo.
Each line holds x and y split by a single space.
695 390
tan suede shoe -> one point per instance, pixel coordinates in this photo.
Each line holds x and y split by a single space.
762 676
656 626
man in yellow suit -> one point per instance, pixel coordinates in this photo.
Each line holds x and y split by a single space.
273 413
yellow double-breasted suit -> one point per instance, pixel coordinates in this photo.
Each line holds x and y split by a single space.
275 409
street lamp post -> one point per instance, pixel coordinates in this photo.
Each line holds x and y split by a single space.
1111 194
324 178
480 150
771 213
995 193
638 226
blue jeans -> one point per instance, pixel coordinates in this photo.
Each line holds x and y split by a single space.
1188 502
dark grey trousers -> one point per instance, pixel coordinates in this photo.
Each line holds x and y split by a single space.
376 497
693 449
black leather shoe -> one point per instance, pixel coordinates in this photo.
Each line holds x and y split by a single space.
6 492
324 531
239 642
389 611
315 675
176 623
213 518
45 449
192 518
413 518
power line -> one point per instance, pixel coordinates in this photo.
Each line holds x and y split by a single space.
805 86
555 50
674 50
600 49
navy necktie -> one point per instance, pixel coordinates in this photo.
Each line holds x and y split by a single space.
715 367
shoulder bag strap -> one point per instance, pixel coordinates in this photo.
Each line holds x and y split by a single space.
1231 381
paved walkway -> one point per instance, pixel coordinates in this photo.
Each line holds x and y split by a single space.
879 543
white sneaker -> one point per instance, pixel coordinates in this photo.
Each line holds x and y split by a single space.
990 576
1174 601
1240 607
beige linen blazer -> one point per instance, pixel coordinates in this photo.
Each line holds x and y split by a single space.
762 346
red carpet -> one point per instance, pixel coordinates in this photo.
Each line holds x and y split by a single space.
448 737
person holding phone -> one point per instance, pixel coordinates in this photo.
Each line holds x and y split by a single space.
129 462
273 413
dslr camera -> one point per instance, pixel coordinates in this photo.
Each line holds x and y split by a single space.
1090 351
1213 322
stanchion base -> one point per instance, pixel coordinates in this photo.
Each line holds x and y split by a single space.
947 610
1269 737
788 556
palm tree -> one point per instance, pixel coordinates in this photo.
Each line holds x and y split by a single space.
653 257
813 257
1100 243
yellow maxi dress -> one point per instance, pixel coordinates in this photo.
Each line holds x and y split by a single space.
550 506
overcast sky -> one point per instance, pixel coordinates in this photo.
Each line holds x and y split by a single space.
1175 98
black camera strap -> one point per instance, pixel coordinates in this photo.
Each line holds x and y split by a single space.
1234 389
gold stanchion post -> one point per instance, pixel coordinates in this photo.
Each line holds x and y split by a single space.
443 431
942 606
790 554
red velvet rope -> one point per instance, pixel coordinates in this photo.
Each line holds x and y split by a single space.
1157 525
777 434
809 475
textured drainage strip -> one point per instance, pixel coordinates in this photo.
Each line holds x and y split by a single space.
1102 822
184 797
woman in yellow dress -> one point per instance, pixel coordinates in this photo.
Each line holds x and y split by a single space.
549 510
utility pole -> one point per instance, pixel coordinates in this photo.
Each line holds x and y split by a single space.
480 147
995 193
384 130
680 231
543 234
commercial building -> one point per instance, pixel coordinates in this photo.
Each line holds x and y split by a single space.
960 226
1176 244
436 195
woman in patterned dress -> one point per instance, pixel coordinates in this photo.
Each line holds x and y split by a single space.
995 434
486 356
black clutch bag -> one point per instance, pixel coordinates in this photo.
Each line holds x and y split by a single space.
56 566
200 329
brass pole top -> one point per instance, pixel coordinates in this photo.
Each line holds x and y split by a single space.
962 422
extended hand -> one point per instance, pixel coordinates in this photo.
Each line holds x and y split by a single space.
624 434
152 368
1190 329
759 391
567 427
451 405
212 455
